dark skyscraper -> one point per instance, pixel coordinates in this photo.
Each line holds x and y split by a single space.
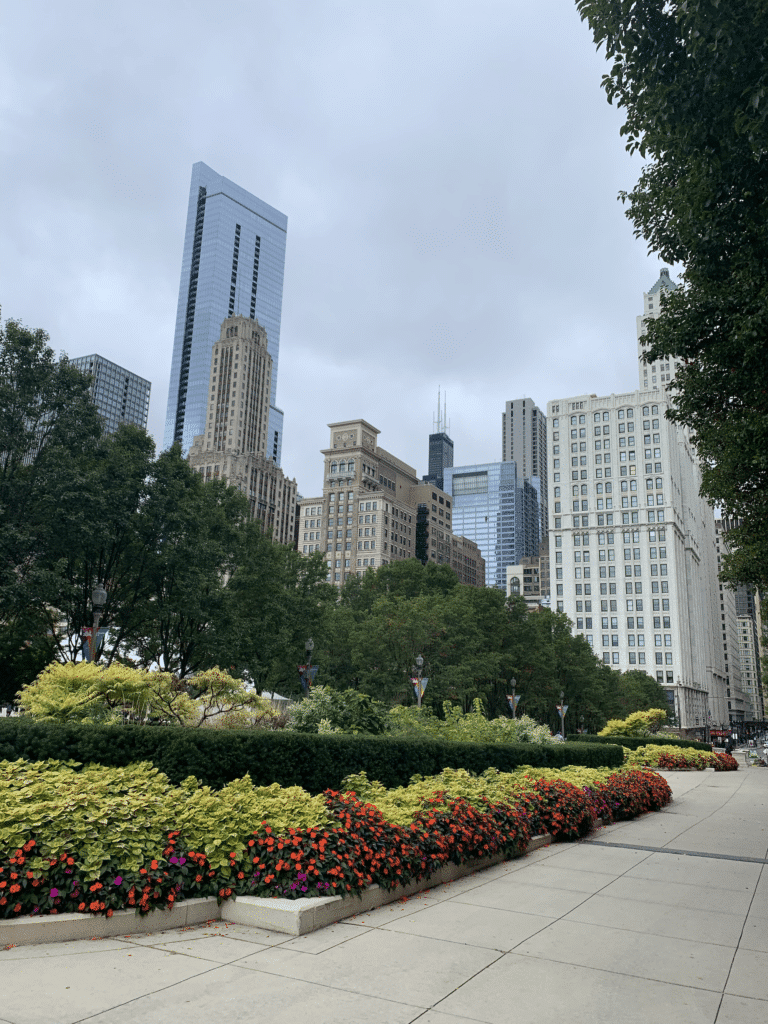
233 262
120 396
440 449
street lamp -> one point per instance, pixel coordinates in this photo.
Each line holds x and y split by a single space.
306 679
562 708
512 699
98 601
418 671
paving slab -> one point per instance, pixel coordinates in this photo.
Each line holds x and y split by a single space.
101 981
658 958
749 975
236 996
384 966
737 1010
485 927
552 992
661 919
704 871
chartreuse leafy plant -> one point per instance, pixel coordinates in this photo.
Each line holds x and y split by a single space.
88 692
640 723
122 815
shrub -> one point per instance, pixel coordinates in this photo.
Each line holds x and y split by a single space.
316 763
342 711
632 742
639 723
472 727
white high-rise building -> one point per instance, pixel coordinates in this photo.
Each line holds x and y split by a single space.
632 544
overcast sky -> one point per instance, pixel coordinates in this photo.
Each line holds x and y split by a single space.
449 172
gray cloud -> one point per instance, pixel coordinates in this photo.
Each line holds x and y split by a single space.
449 174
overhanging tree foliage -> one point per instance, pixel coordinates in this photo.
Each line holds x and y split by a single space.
692 77
49 428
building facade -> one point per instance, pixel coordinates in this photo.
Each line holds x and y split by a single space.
633 549
741 639
367 514
633 546
233 264
120 396
487 510
235 444
660 375
440 449
435 540
524 442
530 579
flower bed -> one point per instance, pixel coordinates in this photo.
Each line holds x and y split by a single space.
671 758
359 847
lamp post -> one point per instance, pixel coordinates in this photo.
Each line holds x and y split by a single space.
562 708
418 669
512 698
309 646
98 601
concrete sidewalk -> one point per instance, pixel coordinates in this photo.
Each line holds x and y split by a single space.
663 920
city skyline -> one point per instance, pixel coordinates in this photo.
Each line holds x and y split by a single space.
446 229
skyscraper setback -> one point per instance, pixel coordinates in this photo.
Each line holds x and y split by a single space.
233 263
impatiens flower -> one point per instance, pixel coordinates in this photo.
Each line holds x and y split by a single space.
119 880
54 893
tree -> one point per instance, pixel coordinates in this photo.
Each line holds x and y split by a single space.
635 691
692 76
188 541
274 602
48 426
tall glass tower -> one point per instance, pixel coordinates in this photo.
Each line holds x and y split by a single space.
233 264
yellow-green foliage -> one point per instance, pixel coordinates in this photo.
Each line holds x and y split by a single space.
401 805
650 755
88 692
640 723
472 727
124 813
93 693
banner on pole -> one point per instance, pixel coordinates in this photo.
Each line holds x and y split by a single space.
307 676
512 700
415 683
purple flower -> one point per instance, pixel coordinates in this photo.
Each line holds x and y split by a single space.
119 880
54 893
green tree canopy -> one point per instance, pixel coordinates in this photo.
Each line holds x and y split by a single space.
48 425
692 78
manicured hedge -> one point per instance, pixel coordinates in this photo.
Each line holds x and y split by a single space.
633 742
314 762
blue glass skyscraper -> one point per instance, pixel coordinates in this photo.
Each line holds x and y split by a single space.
491 506
233 263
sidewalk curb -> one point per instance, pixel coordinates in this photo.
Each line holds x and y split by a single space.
291 917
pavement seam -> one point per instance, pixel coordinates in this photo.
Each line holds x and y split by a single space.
738 945
681 853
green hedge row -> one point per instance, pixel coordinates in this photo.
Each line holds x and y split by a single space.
633 742
292 759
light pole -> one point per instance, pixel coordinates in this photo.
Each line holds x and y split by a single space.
309 646
418 670
98 601
512 699
562 708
